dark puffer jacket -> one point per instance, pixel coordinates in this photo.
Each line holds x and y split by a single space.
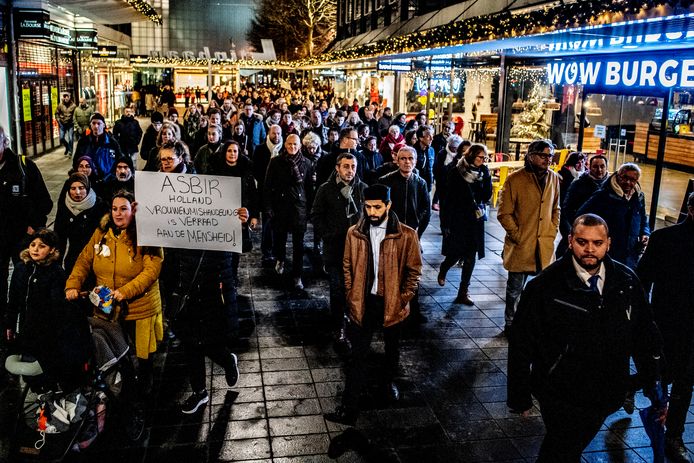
34 290
46 326
626 219
572 345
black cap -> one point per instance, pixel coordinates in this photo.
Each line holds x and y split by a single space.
377 192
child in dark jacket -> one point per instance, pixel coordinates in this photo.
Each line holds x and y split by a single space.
38 321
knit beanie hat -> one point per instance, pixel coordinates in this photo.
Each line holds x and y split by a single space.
157 117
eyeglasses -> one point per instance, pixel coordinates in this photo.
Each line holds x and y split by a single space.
626 178
167 159
543 155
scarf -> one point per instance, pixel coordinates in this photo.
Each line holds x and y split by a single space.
346 190
450 156
274 149
618 189
469 174
392 141
78 207
296 162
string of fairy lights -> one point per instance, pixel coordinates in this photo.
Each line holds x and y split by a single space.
495 26
145 9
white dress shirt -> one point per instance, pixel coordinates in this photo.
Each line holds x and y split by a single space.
376 233
584 275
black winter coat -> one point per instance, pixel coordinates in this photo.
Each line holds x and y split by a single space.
463 232
667 267
410 198
627 221
76 230
261 159
288 201
149 141
128 133
329 217
208 315
35 289
104 151
24 201
578 193
570 344
50 329
249 195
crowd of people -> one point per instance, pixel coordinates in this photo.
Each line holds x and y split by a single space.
363 178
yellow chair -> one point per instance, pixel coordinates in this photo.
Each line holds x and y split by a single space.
498 185
563 154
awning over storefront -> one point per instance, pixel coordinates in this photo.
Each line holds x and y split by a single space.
112 11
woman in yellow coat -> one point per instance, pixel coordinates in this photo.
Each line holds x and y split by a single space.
131 272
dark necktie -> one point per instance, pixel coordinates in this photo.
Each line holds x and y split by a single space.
593 282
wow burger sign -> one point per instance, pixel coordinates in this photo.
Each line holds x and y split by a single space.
624 74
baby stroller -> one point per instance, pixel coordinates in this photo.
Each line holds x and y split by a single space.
69 394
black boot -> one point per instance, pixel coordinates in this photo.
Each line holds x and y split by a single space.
463 297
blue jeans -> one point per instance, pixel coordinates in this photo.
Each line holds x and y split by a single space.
66 134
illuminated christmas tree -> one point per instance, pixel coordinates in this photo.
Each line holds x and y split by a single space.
530 123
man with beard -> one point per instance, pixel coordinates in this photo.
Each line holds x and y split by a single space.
382 267
128 133
529 212
577 324
123 178
261 159
287 189
425 154
348 142
385 122
338 206
100 146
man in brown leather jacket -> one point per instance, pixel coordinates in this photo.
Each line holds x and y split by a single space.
379 286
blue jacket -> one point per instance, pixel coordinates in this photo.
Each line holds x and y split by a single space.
255 128
627 220
425 163
103 150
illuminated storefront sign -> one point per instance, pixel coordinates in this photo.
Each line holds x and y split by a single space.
617 72
37 24
404 65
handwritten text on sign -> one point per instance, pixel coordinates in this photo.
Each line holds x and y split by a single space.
188 211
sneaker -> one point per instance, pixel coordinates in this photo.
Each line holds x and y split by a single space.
676 451
279 267
194 402
298 284
231 374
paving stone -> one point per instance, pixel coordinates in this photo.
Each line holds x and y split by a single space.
295 425
288 392
278 408
287 377
245 450
246 429
285 446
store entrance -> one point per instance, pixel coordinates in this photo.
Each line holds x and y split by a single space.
618 126
40 99
627 128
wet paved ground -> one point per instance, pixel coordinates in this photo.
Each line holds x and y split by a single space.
453 381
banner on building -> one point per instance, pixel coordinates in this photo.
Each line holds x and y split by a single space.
188 211
26 104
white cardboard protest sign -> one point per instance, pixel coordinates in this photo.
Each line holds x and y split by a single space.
188 211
